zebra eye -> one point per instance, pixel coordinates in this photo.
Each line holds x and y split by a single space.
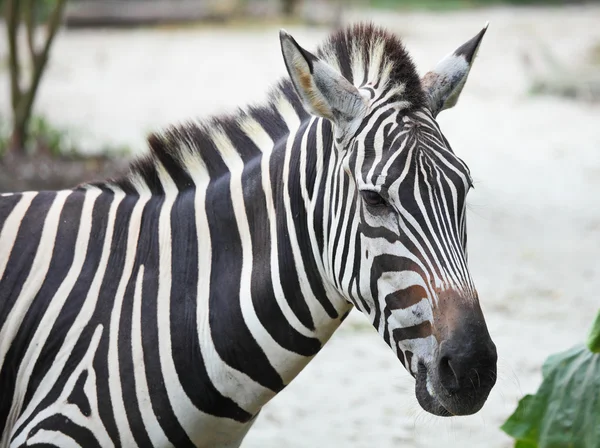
372 198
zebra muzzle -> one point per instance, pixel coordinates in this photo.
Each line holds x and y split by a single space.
460 377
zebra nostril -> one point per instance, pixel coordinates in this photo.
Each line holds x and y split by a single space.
447 375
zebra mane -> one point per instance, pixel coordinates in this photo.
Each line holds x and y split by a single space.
369 55
363 53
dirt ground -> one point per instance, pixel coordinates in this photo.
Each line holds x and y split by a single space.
534 221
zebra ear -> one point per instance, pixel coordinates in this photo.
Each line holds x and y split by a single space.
324 92
445 82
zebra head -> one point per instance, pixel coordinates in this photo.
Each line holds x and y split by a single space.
394 220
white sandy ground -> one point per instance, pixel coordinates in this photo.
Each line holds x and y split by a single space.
534 221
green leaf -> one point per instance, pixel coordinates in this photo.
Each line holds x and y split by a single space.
593 341
525 444
565 411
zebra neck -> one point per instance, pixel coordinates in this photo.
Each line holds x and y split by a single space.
290 277
264 307
300 191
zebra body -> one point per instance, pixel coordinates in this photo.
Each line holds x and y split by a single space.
165 308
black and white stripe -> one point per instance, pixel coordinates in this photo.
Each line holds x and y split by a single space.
167 307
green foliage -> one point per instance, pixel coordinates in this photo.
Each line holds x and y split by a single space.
41 136
524 444
565 411
44 9
4 134
46 137
593 341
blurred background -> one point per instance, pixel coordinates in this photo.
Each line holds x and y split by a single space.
79 105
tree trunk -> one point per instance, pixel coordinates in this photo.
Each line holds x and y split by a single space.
22 99
17 140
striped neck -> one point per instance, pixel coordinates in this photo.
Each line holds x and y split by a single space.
264 303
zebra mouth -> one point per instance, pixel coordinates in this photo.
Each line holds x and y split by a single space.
426 395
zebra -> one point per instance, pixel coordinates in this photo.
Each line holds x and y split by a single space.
166 307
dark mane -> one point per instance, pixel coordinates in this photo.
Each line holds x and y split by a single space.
363 41
362 53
